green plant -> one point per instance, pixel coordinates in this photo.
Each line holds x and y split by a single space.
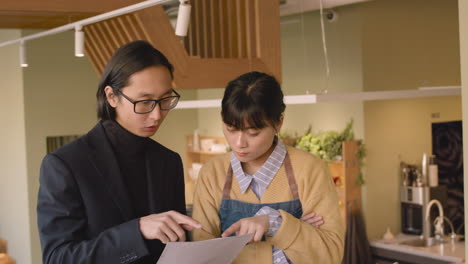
287 138
328 145
361 153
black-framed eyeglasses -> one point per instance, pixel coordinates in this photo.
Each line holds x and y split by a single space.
147 106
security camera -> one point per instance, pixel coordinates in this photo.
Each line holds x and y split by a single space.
331 15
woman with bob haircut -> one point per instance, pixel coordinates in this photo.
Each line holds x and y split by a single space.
278 193
115 195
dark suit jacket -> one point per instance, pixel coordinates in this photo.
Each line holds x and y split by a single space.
84 213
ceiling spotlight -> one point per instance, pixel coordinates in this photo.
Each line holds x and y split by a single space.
79 41
183 18
23 61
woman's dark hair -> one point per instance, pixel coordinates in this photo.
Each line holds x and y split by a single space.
254 99
127 60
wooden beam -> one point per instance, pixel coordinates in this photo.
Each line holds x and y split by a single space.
268 35
216 73
45 14
39 20
67 6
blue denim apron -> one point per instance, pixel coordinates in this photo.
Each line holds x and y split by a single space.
232 210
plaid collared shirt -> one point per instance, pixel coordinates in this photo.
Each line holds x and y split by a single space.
259 182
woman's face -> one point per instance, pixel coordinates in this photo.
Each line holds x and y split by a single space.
151 83
251 144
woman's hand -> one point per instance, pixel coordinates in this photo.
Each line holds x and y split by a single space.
258 225
167 226
313 219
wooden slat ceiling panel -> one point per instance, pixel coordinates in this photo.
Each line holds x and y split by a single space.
82 6
39 20
45 14
94 57
103 38
112 33
225 39
91 54
122 26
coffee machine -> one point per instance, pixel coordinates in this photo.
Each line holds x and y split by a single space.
414 201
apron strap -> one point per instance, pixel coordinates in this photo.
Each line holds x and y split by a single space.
289 175
291 178
228 183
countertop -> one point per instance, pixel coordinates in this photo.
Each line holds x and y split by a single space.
448 252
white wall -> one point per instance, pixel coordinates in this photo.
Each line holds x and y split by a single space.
304 69
59 96
209 120
14 204
398 130
178 124
405 44
408 44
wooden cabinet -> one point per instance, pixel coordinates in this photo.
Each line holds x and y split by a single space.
346 173
197 156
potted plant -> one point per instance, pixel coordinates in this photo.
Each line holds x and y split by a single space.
328 145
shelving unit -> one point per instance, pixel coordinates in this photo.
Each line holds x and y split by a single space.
347 171
198 156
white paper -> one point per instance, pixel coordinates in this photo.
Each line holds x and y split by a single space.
216 251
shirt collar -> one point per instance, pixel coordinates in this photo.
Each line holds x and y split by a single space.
265 174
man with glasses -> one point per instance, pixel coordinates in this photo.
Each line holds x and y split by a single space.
147 106
115 195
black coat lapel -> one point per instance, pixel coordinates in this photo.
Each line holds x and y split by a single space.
103 158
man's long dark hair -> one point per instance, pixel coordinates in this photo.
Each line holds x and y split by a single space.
127 60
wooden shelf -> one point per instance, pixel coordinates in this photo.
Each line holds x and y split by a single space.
211 153
347 172
197 156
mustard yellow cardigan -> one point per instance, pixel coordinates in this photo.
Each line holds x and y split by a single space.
301 242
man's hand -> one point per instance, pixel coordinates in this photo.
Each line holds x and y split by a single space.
167 226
